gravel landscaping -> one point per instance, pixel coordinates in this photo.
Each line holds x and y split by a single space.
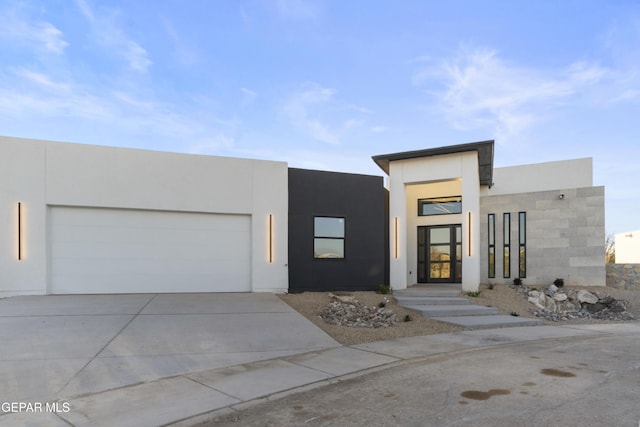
503 297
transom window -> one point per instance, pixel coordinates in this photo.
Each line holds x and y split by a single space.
328 237
440 206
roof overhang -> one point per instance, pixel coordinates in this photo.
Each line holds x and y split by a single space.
483 148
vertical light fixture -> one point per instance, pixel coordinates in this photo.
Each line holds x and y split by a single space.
469 230
270 238
395 237
19 231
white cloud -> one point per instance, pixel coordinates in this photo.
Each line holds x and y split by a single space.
317 112
42 80
50 37
111 36
298 9
212 145
379 129
482 90
248 96
185 53
85 9
42 36
352 123
302 110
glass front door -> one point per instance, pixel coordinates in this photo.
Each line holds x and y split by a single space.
440 254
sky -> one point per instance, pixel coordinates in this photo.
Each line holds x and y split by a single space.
324 84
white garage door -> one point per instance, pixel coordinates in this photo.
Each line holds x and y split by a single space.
131 251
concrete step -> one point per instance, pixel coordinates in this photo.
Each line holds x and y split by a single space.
420 292
488 322
404 300
453 310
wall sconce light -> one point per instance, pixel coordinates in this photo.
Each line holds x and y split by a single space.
395 237
270 238
19 231
561 196
469 232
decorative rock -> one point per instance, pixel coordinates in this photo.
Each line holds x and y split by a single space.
347 299
347 311
593 308
550 305
538 299
566 305
559 296
617 307
586 297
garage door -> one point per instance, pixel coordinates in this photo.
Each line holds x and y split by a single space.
131 251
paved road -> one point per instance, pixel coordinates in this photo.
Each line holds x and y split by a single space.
575 381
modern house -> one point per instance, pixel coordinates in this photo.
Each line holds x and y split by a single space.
91 219
627 247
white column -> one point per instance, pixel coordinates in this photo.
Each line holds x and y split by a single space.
397 228
470 223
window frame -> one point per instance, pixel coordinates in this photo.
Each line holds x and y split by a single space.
506 246
317 236
434 201
491 247
522 245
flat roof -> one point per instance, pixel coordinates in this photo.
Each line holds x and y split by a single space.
484 149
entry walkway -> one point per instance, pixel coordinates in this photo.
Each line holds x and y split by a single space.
445 303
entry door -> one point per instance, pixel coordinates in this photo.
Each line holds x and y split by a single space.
440 254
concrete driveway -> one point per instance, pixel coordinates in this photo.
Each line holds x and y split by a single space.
57 347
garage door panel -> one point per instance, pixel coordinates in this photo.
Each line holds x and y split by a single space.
231 247
111 250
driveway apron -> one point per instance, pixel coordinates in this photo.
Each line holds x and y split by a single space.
61 346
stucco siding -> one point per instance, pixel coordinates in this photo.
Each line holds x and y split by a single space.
44 174
521 179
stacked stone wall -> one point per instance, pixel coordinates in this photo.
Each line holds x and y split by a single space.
624 276
564 236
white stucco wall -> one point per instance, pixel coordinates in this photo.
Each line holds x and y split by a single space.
42 173
430 177
575 173
627 247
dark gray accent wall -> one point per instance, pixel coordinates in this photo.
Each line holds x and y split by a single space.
362 201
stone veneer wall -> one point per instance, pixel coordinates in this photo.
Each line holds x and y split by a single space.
565 237
624 276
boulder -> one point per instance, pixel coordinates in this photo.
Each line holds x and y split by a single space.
538 299
586 297
617 307
594 308
346 299
552 290
568 307
550 305
559 296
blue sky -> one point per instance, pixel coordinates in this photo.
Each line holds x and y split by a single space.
328 84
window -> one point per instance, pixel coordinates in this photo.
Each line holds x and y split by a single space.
440 206
492 246
506 254
522 244
328 233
